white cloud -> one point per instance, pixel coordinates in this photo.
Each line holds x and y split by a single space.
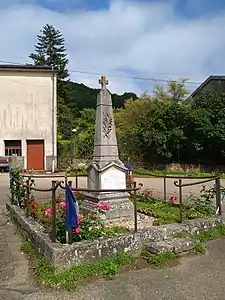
148 38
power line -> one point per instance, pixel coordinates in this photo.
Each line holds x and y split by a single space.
9 62
130 77
116 76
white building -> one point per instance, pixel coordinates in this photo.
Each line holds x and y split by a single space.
28 115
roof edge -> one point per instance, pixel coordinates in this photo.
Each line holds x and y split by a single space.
28 67
207 80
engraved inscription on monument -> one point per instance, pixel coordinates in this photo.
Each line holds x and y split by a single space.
113 179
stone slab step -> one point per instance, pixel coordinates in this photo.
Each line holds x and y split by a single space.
176 245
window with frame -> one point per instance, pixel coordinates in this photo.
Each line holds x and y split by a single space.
13 148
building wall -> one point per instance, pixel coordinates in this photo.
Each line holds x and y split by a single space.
216 84
26 109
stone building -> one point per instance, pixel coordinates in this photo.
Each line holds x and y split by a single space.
28 115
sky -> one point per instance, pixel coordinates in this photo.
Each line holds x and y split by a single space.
155 40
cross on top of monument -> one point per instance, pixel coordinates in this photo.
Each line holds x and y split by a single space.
103 81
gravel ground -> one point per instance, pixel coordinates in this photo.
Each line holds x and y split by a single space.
143 222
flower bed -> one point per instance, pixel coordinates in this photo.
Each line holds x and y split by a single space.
91 225
169 212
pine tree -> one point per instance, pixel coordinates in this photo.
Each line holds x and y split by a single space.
50 51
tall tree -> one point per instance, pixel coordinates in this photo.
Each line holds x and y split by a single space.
50 51
175 91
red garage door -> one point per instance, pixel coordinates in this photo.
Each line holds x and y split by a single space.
35 154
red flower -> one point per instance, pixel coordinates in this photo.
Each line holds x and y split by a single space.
172 200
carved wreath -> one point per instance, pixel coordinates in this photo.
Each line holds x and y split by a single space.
107 125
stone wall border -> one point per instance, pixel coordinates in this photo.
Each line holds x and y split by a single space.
64 255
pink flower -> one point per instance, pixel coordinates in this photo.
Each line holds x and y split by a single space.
102 206
77 230
63 205
48 212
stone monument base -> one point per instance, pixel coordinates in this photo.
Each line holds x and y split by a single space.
119 203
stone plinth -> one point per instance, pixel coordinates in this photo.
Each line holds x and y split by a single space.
111 176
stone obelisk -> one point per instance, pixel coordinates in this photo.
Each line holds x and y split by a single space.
106 171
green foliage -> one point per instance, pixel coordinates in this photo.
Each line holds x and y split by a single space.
166 129
48 275
175 92
181 235
159 260
165 213
83 97
162 211
27 248
211 234
199 207
199 249
50 50
91 225
17 191
65 121
65 153
84 137
149 173
77 169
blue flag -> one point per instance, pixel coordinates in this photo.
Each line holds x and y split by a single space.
71 209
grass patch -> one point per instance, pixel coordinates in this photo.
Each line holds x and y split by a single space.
199 249
159 260
208 235
211 234
164 212
27 248
46 274
181 235
147 173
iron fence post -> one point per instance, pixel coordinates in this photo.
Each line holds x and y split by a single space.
70 235
135 206
27 199
53 211
164 189
76 180
70 229
218 196
180 200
